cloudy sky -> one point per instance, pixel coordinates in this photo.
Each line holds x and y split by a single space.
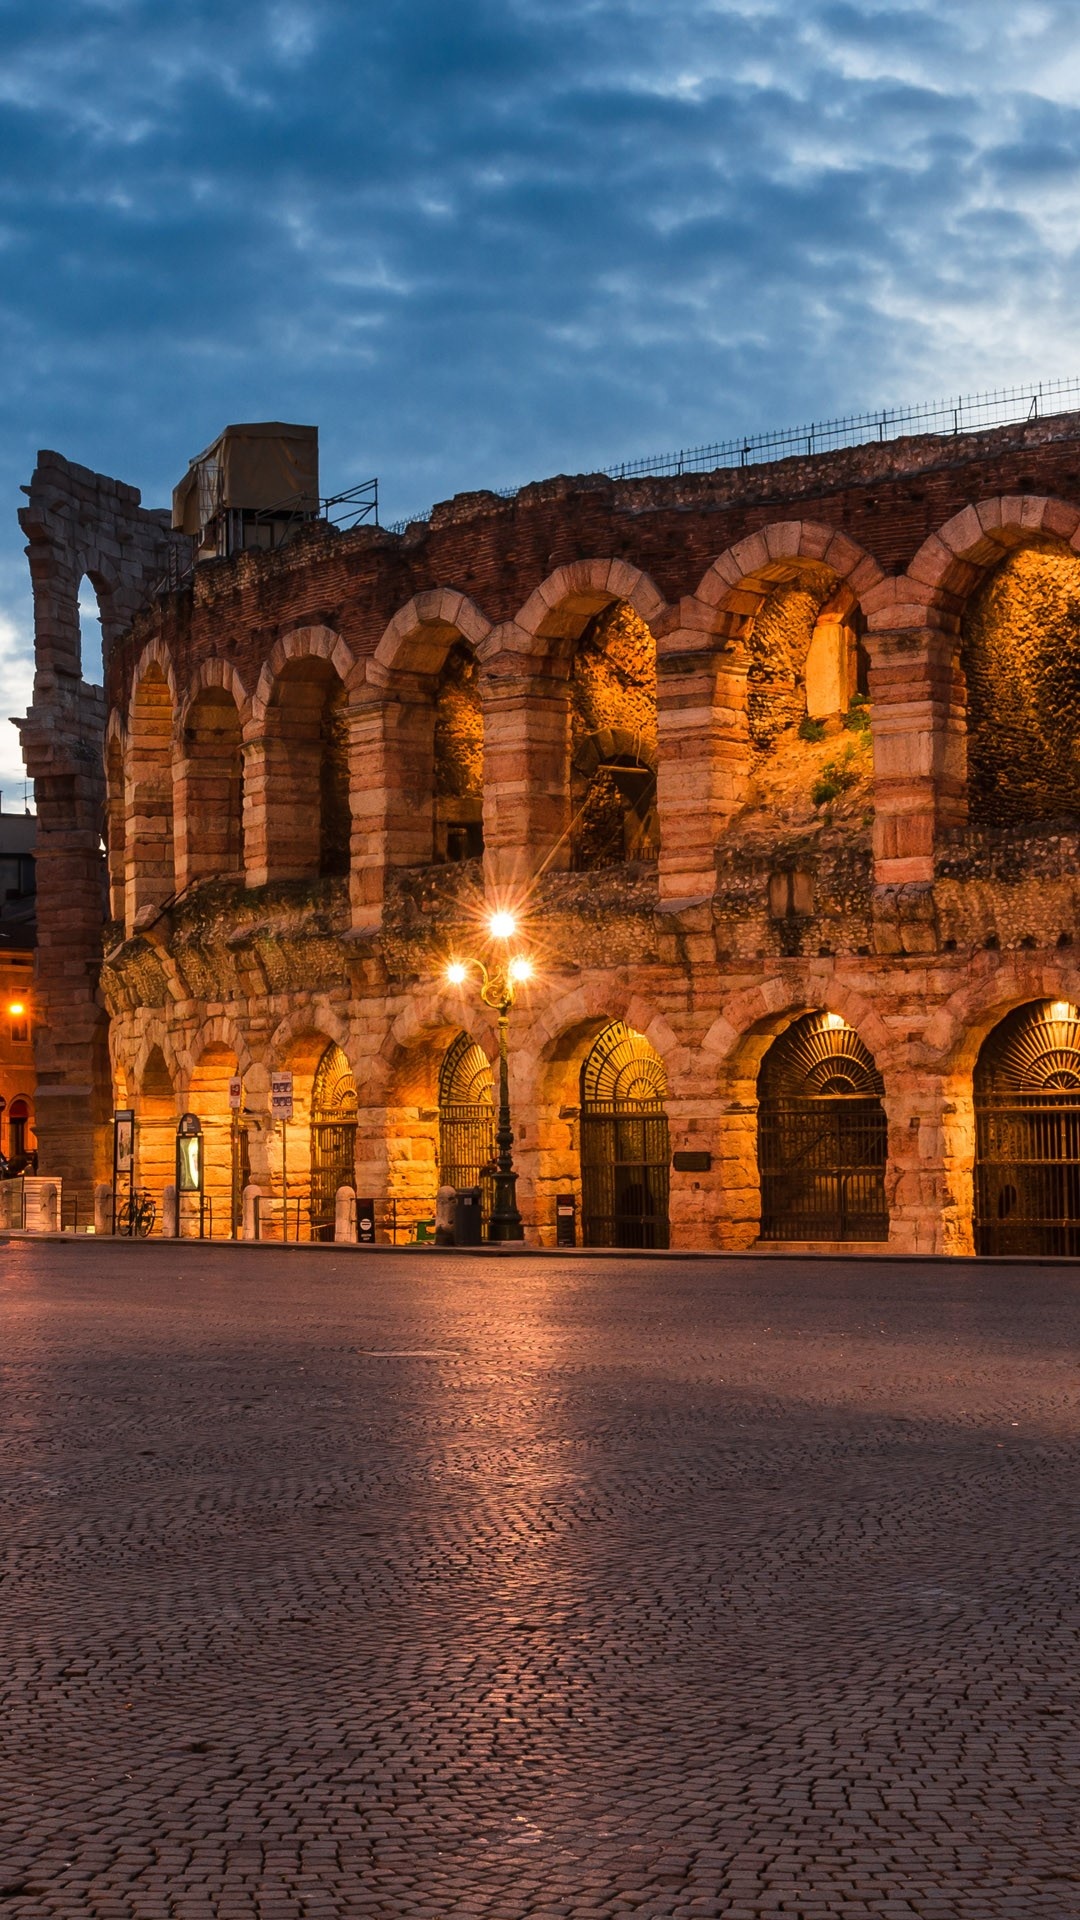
482 241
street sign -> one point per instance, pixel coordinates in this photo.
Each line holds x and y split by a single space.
365 1222
281 1102
236 1093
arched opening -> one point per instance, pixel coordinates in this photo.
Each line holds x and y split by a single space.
210 826
625 1145
226 1165
459 758
467 1120
1020 654
822 1135
1027 1133
20 1145
807 712
308 820
613 748
150 865
115 827
155 1130
91 646
333 1138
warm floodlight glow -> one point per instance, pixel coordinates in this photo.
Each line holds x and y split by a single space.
502 925
1060 1010
16 1009
834 1020
457 973
520 968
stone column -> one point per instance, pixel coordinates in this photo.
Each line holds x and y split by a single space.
920 749
703 758
526 773
392 783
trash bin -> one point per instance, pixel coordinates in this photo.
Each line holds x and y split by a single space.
468 1226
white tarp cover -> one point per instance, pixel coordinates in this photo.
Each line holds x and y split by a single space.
264 464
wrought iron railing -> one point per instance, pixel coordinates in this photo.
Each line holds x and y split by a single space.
967 413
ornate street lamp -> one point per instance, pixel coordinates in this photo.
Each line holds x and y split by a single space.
498 981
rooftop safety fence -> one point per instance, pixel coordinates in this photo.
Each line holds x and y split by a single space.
968 413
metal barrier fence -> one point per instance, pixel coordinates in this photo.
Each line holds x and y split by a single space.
967 413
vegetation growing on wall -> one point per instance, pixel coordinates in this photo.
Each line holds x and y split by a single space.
1021 657
613 740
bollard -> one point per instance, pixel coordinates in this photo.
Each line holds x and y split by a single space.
103 1209
251 1197
170 1213
345 1216
445 1204
49 1209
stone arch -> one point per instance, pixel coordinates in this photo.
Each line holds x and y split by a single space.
418 734
210 776
407 1153
299 1045
547 1052
917 682
739 580
421 633
555 614
954 1035
217 1052
301 643
529 799
735 1047
214 674
952 561
150 855
720 663
297 799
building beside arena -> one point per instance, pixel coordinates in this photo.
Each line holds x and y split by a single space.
776 766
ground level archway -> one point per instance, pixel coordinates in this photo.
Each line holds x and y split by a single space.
1027 1132
822 1135
625 1144
333 1138
467 1120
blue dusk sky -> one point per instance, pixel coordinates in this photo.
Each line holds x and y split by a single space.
483 241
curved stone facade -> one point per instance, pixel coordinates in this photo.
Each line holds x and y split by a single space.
290 864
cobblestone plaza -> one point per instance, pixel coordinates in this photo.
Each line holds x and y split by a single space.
343 1584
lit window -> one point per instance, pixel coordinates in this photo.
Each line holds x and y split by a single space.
20 1032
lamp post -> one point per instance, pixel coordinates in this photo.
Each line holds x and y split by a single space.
498 982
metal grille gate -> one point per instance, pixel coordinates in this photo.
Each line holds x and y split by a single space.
333 1139
1027 1133
625 1144
822 1167
467 1121
822 1136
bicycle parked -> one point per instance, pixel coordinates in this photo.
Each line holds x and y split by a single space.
136 1215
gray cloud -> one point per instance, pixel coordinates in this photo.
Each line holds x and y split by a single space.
483 243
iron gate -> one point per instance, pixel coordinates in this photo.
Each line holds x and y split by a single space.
822 1135
1027 1133
822 1165
467 1121
625 1144
333 1139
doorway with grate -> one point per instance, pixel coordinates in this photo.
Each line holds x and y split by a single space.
822 1135
333 1138
625 1143
1027 1133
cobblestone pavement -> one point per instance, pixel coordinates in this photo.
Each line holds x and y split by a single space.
343 1584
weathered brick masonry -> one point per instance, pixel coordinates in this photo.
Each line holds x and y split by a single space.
290 863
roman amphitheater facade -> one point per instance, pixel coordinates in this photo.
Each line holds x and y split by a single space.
776 767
